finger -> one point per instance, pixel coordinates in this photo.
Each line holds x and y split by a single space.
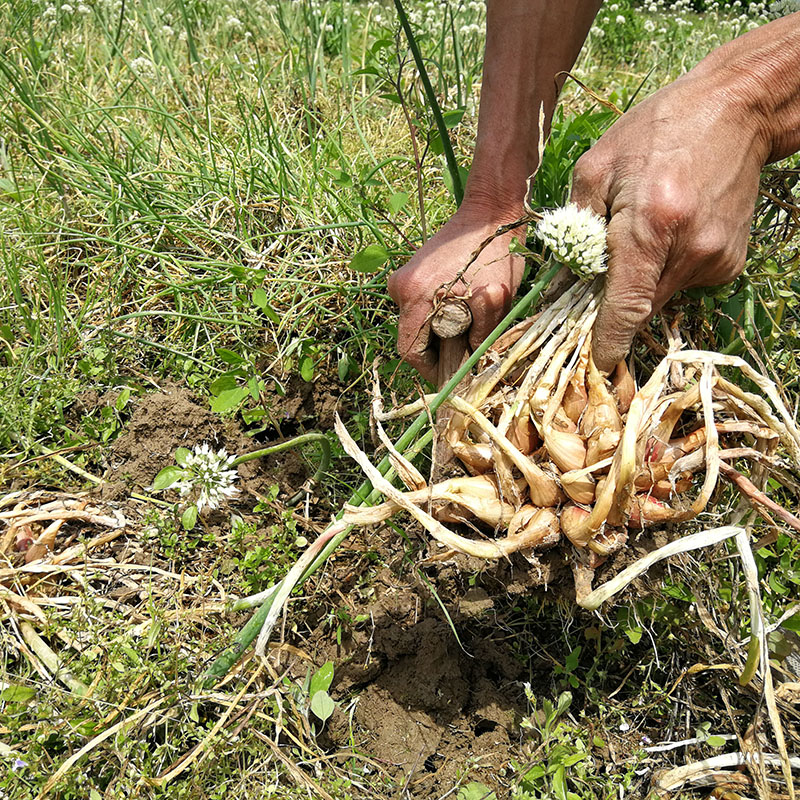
634 271
489 304
414 340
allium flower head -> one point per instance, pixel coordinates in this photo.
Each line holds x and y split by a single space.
207 475
576 237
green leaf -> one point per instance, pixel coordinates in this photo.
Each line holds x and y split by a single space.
260 300
228 399
476 791
123 398
229 357
254 387
182 456
370 259
343 179
715 741
571 661
307 369
565 698
448 178
634 634
345 363
397 201
322 705
793 623
560 784
189 518
322 679
392 98
570 761
223 384
166 478
17 694
452 118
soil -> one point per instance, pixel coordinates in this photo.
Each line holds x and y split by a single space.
173 418
439 694
425 656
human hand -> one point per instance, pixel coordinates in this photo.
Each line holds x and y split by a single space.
677 177
488 285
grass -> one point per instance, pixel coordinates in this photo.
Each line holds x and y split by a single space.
183 187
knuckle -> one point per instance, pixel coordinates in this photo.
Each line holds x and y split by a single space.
588 171
669 205
394 286
708 245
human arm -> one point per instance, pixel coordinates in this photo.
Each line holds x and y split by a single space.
678 176
528 43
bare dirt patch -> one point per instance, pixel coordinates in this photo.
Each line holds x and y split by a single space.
164 421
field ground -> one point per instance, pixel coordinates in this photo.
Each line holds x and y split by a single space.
183 188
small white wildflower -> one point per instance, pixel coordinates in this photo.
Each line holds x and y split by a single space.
649 25
84 10
67 8
577 238
234 24
206 475
144 67
620 19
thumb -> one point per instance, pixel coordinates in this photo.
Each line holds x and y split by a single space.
633 275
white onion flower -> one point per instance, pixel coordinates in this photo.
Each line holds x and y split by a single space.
576 237
207 476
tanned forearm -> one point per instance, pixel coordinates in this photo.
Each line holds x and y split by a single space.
528 43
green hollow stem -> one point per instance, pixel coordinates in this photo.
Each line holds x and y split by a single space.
298 441
452 165
410 445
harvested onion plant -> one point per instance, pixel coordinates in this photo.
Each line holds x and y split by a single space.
557 454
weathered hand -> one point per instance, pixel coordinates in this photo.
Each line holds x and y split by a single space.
488 285
677 177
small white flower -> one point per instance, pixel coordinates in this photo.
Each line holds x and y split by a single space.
84 10
144 67
67 8
208 476
620 19
576 237
649 25
234 24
